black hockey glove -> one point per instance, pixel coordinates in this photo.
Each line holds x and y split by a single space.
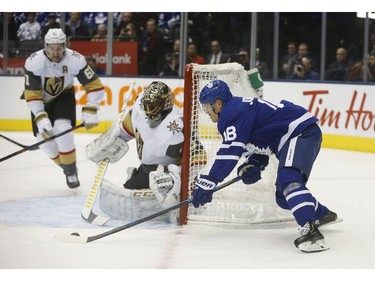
250 170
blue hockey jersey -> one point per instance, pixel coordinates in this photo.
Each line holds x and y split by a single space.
255 126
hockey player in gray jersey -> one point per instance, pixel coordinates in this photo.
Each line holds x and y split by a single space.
256 128
49 94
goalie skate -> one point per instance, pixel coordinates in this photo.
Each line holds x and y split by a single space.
310 240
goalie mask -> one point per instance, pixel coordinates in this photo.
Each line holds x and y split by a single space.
157 102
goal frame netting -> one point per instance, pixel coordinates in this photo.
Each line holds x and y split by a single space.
237 205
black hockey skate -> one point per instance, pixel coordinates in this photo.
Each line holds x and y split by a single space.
71 175
72 181
310 240
329 218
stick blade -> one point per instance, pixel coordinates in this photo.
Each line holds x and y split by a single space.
71 238
95 219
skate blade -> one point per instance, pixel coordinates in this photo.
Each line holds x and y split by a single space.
74 190
329 223
318 246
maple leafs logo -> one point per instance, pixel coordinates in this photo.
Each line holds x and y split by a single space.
174 127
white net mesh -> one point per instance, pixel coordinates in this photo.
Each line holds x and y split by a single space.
238 204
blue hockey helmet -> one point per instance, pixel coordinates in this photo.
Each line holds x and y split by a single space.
215 90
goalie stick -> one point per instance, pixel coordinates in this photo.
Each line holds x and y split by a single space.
36 145
87 213
75 237
17 143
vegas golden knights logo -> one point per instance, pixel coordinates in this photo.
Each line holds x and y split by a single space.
54 85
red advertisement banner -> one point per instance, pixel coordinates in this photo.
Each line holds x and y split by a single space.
124 55
15 66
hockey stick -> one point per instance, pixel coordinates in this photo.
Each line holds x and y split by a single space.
87 214
36 145
78 238
17 143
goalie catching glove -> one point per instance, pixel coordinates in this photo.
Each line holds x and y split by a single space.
90 116
44 124
166 186
202 192
250 171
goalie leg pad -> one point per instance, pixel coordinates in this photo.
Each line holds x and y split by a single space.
166 185
107 146
130 205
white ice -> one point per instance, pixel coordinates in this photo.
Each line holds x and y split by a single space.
36 204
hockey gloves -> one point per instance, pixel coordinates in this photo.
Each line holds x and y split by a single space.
202 192
166 186
44 124
90 116
250 171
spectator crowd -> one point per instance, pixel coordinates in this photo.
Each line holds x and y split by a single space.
158 39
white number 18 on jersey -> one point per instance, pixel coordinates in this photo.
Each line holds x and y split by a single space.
230 133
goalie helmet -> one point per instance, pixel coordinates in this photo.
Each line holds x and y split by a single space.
157 101
55 36
215 90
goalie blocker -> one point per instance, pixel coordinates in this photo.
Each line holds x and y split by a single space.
166 185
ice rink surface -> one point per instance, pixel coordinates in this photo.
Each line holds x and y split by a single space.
36 204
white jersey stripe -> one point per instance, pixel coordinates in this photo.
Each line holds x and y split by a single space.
293 194
239 144
292 126
290 154
227 157
299 206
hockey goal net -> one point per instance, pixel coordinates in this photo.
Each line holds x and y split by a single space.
237 205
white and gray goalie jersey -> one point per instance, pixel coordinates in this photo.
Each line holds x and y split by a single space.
159 145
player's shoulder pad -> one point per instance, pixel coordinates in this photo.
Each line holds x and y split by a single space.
35 62
76 59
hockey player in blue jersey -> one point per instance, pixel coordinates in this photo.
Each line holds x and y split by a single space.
256 128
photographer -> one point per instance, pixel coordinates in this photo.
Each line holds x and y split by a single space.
303 71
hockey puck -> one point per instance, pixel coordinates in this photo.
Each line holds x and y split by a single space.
75 234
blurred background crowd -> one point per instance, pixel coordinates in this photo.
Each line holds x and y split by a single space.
294 46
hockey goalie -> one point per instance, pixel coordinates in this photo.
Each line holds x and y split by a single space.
156 125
